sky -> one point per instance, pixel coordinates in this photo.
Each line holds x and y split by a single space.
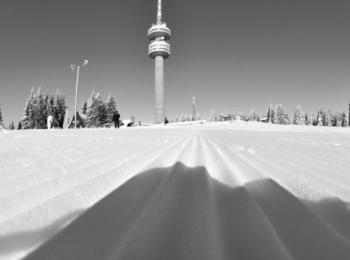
233 55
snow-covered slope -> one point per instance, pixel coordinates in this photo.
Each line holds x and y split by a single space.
48 178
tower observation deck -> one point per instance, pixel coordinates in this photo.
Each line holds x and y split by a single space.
159 49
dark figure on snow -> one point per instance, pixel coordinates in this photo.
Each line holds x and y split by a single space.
116 118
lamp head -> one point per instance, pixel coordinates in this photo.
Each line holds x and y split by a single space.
85 62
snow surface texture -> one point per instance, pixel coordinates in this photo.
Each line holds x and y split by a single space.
210 191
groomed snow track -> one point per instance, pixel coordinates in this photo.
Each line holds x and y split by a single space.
203 193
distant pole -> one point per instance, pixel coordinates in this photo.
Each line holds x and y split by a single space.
76 97
194 108
77 67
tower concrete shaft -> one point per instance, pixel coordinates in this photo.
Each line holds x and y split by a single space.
159 90
159 50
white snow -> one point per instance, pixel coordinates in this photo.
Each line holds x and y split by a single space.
48 178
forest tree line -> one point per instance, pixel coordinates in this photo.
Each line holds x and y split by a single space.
94 112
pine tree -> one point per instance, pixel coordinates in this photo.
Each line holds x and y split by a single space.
81 123
89 109
50 107
313 119
102 110
349 115
269 114
35 110
28 120
339 119
252 116
59 109
344 120
328 118
96 114
307 119
12 126
320 118
273 115
90 113
62 110
19 126
334 119
40 110
280 116
299 117
111 109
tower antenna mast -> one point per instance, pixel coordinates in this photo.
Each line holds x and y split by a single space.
159 12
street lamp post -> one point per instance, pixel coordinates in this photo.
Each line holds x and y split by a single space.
77 69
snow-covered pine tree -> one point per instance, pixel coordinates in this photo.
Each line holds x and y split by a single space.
281 117
269 114
344 122
49 99
1 119
19 125
313 119
12 126
59 108
327 118
339 119
320 118
35 110
349 115
111 109
28 120
299 117
62 110
41 111
35 107
286 120
81 123
273 115
89 110
334 119
252 116
96 113
102 110
276 118
306 119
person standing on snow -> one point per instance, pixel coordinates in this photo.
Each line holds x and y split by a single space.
116 118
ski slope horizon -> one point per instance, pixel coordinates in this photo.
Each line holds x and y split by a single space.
280 176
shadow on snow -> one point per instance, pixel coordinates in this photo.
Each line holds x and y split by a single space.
183 213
